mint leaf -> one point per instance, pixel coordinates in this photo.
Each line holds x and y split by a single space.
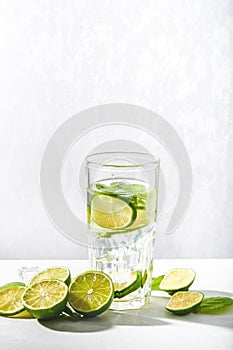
131 188
156 282
118 184
215 305
136 189
99 186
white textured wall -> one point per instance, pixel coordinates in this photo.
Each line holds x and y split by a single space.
60 57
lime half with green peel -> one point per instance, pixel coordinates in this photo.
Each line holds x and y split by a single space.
52 273
11 300
91 293
112 212
177 280
45 299
22 314
11 284
182 303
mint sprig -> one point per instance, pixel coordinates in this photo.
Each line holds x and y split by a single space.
215 305
156 282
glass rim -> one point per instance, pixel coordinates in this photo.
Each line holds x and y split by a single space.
91 159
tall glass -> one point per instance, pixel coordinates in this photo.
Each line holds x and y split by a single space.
122 193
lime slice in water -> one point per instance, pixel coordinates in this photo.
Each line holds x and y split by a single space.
182 303
177 280
52 273
112 212
11 300
45 299
141 220
91 293
135 282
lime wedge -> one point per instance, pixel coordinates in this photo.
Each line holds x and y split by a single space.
91 293
136 278
177 280
11 284
112 212
182 303
11 300
52 273
45 299
88 214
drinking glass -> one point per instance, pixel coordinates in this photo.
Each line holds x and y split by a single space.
122 195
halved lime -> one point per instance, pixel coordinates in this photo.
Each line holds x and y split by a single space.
45 299
91 293
11 300
112 212
177 280
134 283
182 303
22 314
52 273
11 284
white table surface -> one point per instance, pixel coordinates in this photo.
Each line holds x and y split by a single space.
151 327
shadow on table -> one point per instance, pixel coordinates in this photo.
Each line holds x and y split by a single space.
152 314
102 322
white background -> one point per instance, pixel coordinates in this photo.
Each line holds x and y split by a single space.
60 57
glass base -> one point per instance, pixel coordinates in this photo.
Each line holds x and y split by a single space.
136 303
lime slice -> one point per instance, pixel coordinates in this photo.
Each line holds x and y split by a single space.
142 219
112 212
11 300
182 303
45 299
91 293
121 292
144 278
88 214
177 280
52 273
11 284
